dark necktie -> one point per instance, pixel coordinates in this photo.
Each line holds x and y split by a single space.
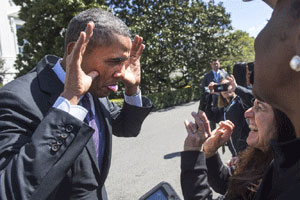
91 120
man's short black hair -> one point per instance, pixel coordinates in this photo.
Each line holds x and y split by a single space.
106 24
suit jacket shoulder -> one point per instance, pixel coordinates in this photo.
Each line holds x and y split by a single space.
223 73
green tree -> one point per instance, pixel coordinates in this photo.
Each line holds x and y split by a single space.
44 28
181 38
243 49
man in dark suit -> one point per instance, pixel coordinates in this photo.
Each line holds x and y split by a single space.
56 122
215 75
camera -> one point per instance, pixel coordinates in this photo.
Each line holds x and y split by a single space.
220 87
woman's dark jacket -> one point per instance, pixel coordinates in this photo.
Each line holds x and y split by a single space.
282 179
280 182
235 113
199 174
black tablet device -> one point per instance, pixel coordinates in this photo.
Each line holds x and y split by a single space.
162 191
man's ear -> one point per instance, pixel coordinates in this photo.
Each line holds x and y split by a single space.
70 47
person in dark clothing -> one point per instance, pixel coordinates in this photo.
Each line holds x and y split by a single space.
240 82
215 75
57 122
250 74
230 107
202 169
244 92
240 73
277 81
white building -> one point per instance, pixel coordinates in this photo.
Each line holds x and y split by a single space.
8 38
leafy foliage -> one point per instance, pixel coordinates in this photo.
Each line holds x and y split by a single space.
168 99
172 98
243 46
181 38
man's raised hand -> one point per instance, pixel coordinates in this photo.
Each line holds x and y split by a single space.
77 82
131 72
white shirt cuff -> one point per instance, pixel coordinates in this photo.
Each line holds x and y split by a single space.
135 100
75 110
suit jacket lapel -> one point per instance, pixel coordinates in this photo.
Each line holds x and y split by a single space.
101 108
102 111
90 147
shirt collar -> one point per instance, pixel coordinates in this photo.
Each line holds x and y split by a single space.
216 72
61 74
59 71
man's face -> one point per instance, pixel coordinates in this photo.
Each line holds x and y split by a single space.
215 65
107 61
274 47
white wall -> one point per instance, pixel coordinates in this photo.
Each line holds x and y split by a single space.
8 39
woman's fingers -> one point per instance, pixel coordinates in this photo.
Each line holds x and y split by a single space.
203 117
227 124
199 122
188 127
225 129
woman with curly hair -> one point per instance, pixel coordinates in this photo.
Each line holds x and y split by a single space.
202 167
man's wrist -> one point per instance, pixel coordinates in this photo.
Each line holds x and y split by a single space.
132 91
75 110
73 99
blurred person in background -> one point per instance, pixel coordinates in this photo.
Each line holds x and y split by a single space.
240 82
240 73
215 75
250 74
230 107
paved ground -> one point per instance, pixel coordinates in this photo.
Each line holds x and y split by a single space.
138 164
